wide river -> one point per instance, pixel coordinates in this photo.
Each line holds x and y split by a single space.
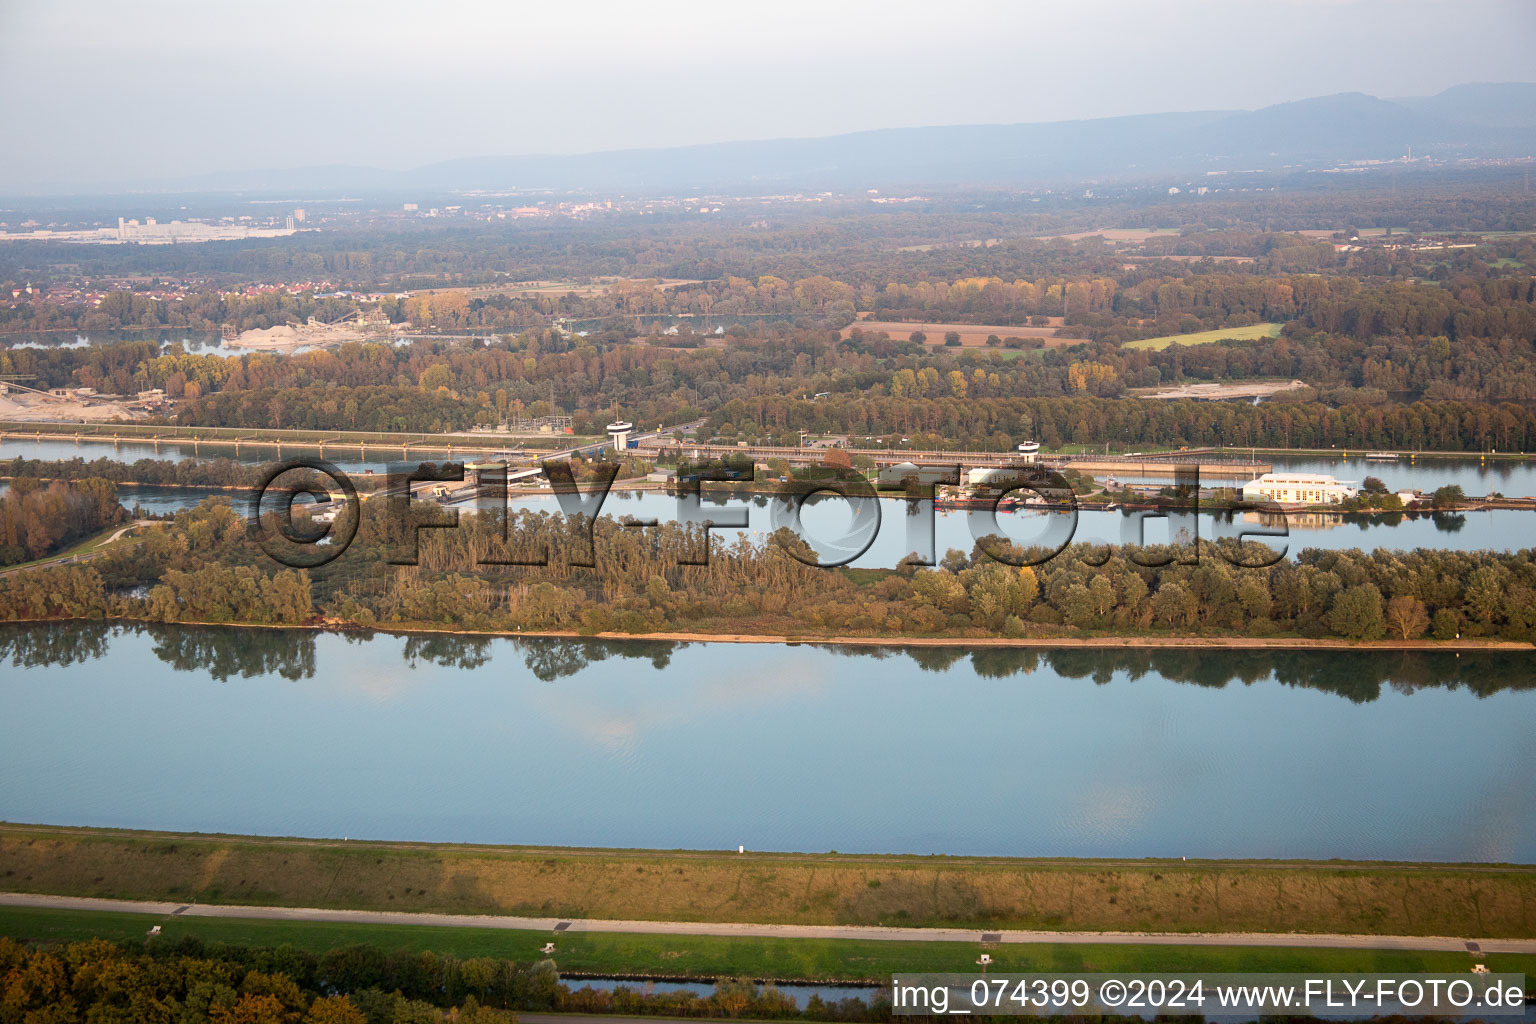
775 747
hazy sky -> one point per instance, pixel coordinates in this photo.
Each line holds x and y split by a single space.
100 91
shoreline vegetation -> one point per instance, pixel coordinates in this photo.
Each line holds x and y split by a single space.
983 893
539 573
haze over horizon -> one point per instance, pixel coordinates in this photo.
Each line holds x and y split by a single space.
111 96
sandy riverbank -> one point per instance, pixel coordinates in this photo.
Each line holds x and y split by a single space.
1090 642
1105 642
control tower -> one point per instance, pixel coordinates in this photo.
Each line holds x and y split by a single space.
1029 451
618 432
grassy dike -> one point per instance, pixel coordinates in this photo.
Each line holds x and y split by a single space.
693 956
1474 901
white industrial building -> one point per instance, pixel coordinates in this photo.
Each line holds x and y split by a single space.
1299 489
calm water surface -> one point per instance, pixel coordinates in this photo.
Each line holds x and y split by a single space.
1078 753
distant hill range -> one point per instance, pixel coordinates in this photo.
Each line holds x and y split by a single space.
1463 121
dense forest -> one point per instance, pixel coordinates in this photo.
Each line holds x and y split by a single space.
1396 391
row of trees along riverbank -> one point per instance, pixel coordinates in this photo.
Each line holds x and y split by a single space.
602 576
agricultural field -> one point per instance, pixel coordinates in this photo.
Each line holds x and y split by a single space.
971 335
555 289
1119 234
1250 333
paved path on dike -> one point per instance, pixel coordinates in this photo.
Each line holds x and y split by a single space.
776 931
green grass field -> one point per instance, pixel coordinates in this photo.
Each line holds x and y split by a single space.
713 956
1250 333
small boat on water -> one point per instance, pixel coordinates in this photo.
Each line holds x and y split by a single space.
1382 456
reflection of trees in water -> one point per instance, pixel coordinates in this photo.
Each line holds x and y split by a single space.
223 652
228 652
448 651
1357 675
937 659
30 645
550 659
232 652
1360 675
1449 522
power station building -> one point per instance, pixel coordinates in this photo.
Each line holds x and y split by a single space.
1298 489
